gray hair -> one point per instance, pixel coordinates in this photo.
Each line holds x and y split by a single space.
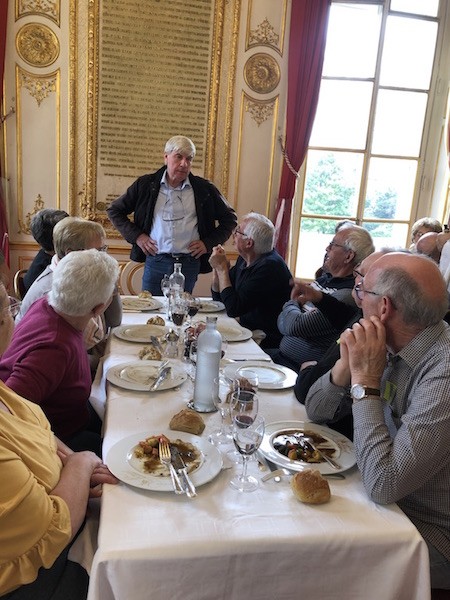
429 223
261 230
42 225
82 281
181 144
359 241
74 233
414 305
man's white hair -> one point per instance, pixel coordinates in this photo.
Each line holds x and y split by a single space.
261 230
181 144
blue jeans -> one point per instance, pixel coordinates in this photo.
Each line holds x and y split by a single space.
162 264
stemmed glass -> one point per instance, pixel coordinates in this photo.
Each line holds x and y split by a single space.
193 306
221 397
178 312
165 288
248 432
242 401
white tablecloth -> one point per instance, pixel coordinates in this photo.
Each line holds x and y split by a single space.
232 546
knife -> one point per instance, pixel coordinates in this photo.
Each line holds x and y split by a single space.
181 469
163 375
305 443
273 467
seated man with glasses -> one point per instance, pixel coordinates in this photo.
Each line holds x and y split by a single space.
178 217
341 316
255 289
307 331
393 376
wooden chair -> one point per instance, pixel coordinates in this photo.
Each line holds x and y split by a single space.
19 287
130 278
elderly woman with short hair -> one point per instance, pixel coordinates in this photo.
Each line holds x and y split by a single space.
43 496
47 361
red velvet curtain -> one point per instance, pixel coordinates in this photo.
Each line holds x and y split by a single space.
309 20
4 245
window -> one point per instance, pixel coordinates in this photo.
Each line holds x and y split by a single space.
366 155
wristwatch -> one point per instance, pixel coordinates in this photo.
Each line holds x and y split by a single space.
359 392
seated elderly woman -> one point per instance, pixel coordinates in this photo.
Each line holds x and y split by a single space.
47 362
43 497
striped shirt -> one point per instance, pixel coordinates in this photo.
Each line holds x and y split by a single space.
402 440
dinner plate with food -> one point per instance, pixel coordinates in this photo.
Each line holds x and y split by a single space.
139 304
270 376
140 333
135 461
234 333
139 376
299 445
211 306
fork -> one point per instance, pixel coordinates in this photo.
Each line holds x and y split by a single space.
166 459
162 366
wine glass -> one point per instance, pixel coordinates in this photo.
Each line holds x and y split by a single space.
178 310
165 288
221 397
248 432
193 306
242 401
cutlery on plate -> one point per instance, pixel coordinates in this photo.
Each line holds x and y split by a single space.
181 469
159 371
161 377
157 344
308 444
166 458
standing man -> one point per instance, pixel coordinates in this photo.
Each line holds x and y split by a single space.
178 217
256 288
396 363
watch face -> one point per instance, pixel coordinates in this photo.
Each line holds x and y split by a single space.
358 391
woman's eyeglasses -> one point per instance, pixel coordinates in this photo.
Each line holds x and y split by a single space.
13 306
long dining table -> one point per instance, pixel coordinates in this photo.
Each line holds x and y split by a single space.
230 545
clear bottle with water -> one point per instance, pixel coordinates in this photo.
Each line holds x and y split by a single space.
177 279
209 352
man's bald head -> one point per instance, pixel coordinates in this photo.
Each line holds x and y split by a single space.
427 244
413 283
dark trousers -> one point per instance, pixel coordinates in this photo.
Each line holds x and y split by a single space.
162 264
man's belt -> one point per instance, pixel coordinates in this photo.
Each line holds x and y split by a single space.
174 255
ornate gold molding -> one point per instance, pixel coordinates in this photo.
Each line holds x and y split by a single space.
39 86
230 97
262 73
42 8
24 226
73 104
264 35
37 45
259 110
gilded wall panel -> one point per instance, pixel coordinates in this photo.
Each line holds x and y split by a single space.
256 154
38 165
266 25
147 80
41 8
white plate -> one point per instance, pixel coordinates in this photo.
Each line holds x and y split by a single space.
270 375
139 333
136 304
234 333
344 451
209 306
135 376
120 463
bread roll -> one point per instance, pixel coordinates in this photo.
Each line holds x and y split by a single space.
310 487
187 420
156 321
145 294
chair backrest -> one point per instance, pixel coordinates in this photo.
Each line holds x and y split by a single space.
130 278
19 287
